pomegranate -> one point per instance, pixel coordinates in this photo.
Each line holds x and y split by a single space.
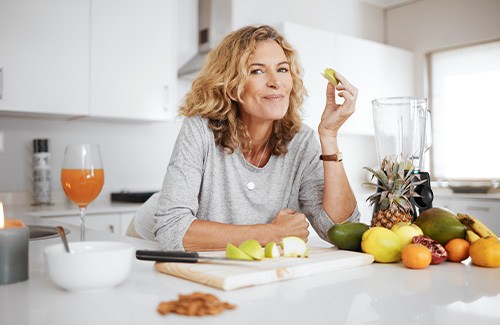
438 252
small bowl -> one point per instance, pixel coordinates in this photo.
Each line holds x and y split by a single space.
91 266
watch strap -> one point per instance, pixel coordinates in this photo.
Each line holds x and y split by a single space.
335 157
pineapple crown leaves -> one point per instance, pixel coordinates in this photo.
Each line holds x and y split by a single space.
396 184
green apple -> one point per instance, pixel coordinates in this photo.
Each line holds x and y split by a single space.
406 231
236 253
294 247
272 250
329 74
252 248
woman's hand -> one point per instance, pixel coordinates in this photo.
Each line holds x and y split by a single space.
334 114
290 223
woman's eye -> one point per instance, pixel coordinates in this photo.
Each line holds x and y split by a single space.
257 71
283 70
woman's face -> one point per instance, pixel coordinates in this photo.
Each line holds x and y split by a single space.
267 92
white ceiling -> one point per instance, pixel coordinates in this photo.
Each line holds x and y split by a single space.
387 4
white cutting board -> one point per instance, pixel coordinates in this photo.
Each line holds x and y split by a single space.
238 274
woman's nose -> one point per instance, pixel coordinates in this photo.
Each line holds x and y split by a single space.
273 80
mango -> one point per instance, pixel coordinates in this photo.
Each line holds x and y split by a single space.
441 225
347 235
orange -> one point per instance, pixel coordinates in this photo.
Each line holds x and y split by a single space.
457 249
486 252
416 256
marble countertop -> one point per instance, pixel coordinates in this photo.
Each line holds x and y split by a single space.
18 204
449 293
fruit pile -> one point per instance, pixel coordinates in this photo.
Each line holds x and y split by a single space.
436 235
252 250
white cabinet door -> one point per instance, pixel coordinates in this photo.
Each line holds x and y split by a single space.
376 69
133 57
44 57
109 223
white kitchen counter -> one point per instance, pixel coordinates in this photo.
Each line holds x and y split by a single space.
450 293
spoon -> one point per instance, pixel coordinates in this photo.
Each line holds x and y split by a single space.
62 234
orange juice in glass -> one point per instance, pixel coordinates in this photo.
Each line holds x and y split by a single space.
82 177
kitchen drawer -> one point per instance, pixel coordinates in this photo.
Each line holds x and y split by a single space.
109 223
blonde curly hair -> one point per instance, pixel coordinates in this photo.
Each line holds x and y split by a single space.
225 72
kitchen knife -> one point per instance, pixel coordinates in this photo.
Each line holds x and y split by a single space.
181 257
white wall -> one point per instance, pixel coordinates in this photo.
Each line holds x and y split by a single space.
350 17
430 25
135 155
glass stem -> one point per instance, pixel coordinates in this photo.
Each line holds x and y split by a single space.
82 224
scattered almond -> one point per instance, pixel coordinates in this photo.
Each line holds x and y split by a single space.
194 304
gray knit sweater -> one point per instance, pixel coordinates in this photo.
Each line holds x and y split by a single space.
204 182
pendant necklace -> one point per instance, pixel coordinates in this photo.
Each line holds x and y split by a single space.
251 185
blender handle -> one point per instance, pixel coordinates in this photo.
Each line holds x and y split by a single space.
428 131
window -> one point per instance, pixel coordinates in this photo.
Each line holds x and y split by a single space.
465 105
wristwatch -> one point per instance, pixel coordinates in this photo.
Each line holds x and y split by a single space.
335 157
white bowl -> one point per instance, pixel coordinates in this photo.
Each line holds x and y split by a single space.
91 266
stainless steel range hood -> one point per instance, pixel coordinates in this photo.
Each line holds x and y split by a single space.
214 22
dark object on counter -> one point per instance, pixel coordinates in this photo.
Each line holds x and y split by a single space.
41 172
131 197
44 232
181 257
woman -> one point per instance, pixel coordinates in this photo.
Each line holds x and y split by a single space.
243 166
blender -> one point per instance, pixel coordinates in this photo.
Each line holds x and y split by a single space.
402 128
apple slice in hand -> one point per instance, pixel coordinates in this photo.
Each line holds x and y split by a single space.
294 247
329 75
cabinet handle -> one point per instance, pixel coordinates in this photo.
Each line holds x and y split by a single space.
112 229
473 208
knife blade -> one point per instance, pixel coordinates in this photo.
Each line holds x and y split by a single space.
181 257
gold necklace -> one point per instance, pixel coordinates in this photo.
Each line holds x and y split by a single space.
251 185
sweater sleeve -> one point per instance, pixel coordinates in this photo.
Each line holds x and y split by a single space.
311 191
178 200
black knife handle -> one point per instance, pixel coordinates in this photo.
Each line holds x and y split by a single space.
167 256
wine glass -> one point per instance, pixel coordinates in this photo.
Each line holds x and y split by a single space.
82 177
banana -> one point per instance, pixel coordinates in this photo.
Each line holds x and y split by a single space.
476 226
471 236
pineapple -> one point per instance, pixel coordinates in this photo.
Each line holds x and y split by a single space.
395 187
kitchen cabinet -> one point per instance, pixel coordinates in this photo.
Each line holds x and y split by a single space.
113 223
101 59
133 68
44 57
484 209
376 69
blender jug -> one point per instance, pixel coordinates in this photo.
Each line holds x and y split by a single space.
402 128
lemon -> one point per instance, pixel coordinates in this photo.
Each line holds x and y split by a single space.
383 244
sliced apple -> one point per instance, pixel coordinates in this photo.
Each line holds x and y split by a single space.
252 248
236 253
272 250
329 75
294 247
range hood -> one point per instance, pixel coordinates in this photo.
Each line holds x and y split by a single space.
214 22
